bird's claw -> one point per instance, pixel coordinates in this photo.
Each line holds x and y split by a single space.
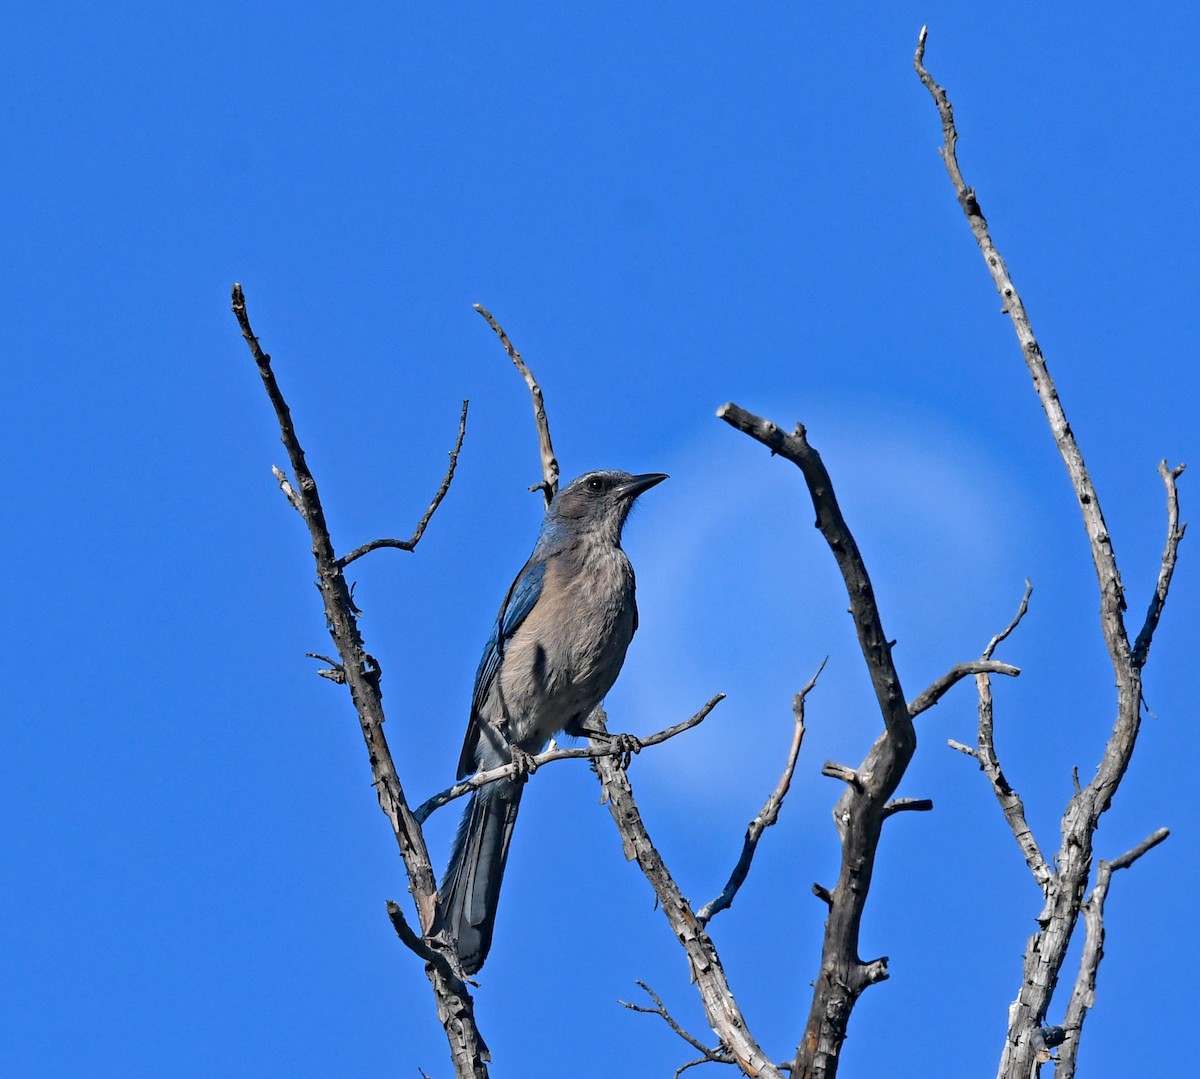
526 765
625 746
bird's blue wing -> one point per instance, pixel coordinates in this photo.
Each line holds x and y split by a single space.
522 597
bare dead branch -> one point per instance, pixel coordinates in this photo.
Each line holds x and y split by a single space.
410 544
1046 949
720 1005
422 950
769 813
911 805
607 748
843 772
876 647
957 673
1141 647
962 749
549 483
1112 597
1083 994
1130 856
289 492
859 812
985 753
361 673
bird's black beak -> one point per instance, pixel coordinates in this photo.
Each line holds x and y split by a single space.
631 488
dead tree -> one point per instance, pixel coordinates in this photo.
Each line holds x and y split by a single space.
868 799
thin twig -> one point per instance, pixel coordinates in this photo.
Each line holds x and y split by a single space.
591 751
985 753
410 544
1004 634
549 483
719 1055
692 1064
1141 647
769 813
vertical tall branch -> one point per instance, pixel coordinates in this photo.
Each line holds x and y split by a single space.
1046 949
1112 598
361 673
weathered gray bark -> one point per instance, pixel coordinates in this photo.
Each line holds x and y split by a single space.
1026 1045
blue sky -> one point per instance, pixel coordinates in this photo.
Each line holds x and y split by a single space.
668 207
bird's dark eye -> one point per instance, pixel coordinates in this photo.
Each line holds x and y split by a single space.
595 484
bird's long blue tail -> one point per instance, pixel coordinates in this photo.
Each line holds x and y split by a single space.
471 887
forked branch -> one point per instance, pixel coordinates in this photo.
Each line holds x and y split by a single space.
720 1055
720 1006
1025 1047
1083 995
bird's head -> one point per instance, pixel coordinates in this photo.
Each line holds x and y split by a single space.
600 501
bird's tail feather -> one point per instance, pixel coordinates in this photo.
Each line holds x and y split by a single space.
471 887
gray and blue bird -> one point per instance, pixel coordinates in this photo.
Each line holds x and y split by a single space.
556 649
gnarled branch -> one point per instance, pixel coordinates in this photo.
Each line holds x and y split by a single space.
859 813
361 674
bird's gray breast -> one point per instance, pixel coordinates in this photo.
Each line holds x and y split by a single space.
568 652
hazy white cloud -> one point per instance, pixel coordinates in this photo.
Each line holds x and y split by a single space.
740 594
